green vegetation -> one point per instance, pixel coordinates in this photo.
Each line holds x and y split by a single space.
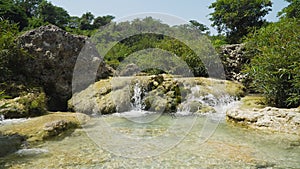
292 10
272 47
275 67
32 14
236 18
11 56
193 48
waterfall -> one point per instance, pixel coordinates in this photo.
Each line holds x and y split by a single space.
2 117
137 102
219 103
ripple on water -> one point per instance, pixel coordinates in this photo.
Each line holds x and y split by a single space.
229 147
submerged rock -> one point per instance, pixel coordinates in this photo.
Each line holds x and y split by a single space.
10 143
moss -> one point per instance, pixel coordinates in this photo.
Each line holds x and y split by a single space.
108 96
253 101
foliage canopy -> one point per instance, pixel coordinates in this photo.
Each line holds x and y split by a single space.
237 18
292 10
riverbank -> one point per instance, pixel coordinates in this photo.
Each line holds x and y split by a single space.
29 132
251 113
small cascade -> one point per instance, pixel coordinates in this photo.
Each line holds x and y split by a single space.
1 118
137 102
219 103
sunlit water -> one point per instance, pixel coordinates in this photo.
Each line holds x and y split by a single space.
228 147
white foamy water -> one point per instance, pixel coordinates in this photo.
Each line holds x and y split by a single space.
31 152
12 121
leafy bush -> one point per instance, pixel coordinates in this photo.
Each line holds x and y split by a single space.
275 67
11 56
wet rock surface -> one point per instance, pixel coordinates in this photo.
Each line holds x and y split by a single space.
10 143
158 93
57 127
44 127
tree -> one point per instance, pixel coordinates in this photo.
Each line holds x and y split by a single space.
74 22
275 68
14 13
29 6
86 21
201 27
102 20
291 11
53 14
237 18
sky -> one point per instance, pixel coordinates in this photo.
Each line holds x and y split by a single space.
184 10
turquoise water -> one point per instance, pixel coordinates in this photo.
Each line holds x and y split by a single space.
228 147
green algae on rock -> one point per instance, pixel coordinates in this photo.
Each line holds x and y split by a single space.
159 93
46 126
28 104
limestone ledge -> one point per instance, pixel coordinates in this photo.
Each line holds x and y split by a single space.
267 118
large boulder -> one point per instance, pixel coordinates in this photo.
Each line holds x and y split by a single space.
54 54
45 127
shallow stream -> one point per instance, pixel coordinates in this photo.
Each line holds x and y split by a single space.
228 147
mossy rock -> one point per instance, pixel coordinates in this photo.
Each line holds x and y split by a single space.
30 104
206 109
162 93
46 126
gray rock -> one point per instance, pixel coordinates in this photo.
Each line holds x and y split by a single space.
274 119
10 144
30 104
57 127
54 54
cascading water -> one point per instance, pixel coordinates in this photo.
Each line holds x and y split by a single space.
219 103
1 117
137 103
138 114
